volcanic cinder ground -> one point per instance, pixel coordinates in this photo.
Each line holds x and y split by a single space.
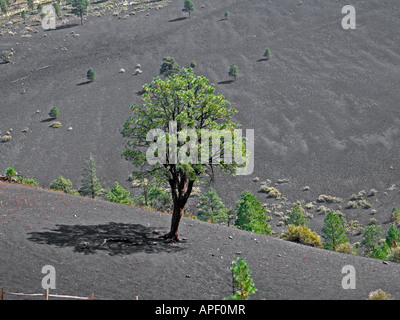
324 109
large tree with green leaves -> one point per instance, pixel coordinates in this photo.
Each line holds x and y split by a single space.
166 138
333 231
79 7
90 183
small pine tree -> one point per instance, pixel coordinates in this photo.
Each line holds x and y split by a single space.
39 7
193 64
10 173
212 207
119 195
242 284
372 235
79 7
296 216
188 6
169 67
90 183
227 14
91 74
251 215
233 71
54 113
31 4
267 53
3 6
396 216
393 236
23 14
57 9
333 231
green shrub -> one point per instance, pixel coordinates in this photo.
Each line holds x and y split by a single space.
64 185
243 284
267 53
393 236
28 181
372 235
56 124
212 208
303 235
346 248
396 216
379 295
10 173
54 113
393 254
119 195
91 74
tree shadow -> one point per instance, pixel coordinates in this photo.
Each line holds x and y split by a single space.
84 82
48 120
223 19
178 19
141 92
114 238
65 26
263 59
226 82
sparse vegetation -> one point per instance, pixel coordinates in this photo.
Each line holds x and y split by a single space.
54 113
379 295
64 185
303 235
91 74
242 284
233 71
188 6
169 67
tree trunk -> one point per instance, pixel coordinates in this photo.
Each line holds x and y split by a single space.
81 19
176 219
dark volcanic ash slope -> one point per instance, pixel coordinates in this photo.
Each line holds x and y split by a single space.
114 252
324 108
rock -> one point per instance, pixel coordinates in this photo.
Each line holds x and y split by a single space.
138 66
122 70
25 130
70 129
138 71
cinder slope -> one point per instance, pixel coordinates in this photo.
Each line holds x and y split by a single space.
114 252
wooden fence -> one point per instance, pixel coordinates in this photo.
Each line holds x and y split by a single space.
47 295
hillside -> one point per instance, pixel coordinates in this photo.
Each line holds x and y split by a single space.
41 227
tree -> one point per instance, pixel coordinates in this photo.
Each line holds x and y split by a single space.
91 74
188 6
169 67
393 236
251 214
54 113
3 6
11 173
64 185
242 284
23 14
267 53
233 71
372 235
39 7
57 9
119 195
296 216
90 183
226 15
31 4
333 231
212 208
79 7
181 106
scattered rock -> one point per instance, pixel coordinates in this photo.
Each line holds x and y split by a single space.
138 71
25 130
70 129
122 70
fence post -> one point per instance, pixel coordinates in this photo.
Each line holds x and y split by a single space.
92 296
47 294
